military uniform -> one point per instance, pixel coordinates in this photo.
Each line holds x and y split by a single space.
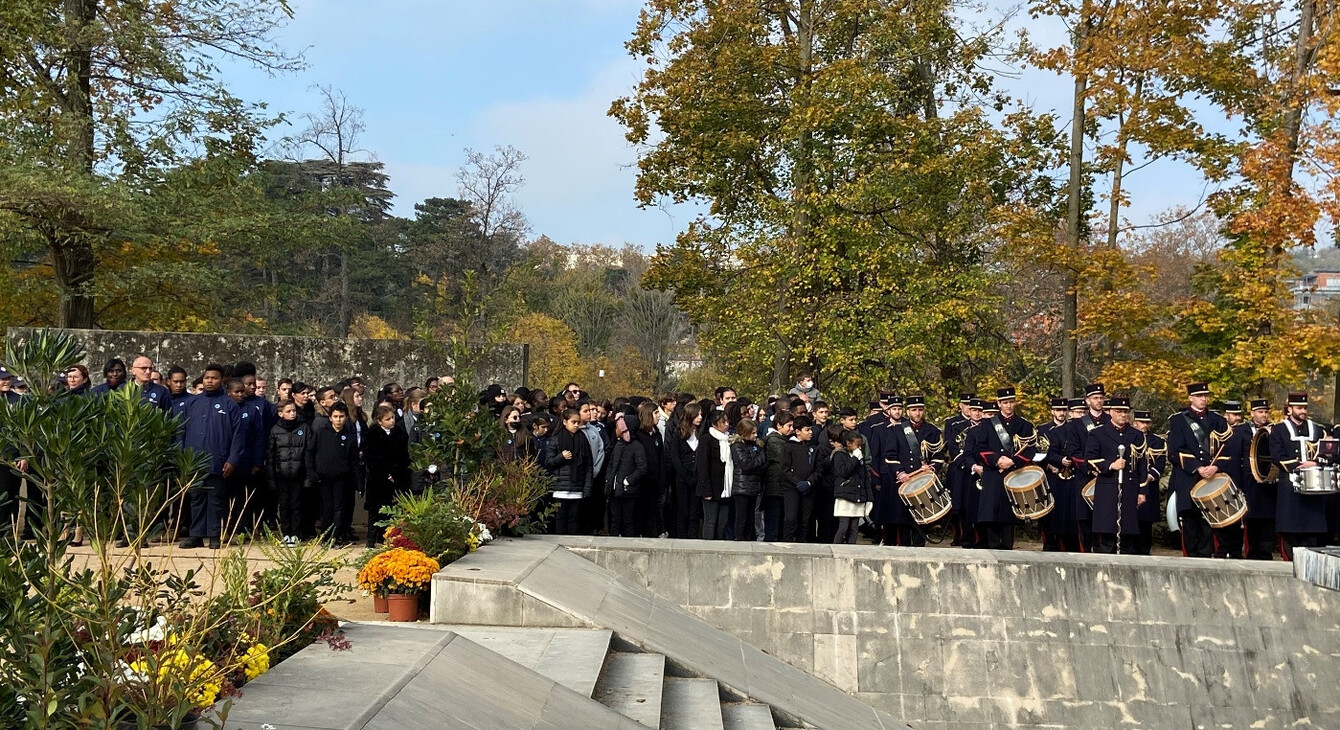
1299 518
1192 437
1156 465
1000 436
1059 529
1232 458
959 474
1080 428
1259 525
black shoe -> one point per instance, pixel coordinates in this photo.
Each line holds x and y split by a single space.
191 543
122 542
214 543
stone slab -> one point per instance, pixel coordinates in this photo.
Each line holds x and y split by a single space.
690 704
632 685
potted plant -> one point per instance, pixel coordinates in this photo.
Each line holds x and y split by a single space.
401 575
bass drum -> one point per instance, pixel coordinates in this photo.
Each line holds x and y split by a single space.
1264 469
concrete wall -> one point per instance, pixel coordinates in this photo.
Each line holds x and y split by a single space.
315 360
969 639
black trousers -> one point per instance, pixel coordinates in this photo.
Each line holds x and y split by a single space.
624 516
337 505
1228 542
288 492
1084 533
688 512
647 512
995 535
568 519
825 524
1259 539
797 509
1197 537
903 535
744 517
1146 543
714 519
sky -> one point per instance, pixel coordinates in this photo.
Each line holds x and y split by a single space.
435 77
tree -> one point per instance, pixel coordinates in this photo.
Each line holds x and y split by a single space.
97 96
553 354
853 178
488 183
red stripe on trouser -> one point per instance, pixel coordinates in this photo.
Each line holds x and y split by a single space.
1214 538
1246 546
1287 557
1182 524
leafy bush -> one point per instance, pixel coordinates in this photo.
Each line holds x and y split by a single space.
433 521
502 495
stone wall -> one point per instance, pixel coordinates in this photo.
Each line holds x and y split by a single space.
315 360
973 639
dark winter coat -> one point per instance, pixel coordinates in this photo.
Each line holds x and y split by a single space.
710 468
386 456
849 478
626 472
331 454
797 463
684 464
287 457
774 445
570 475
653 448
750 462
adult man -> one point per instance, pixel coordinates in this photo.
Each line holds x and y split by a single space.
1114 453
1081 423
1194 437
894 409
1095 396
601 442
1156 465
961 476
724 394
919 448
1299 518
140 368
261 504
1228 540
962 415
284 390
1059 530
213 426
1004 444
1258 526
325 398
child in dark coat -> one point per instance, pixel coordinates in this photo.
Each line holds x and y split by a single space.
286 462
331 459
386 454
851 488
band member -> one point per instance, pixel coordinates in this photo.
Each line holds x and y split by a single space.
1001 445
915 445
889 513
1059 531
1095 397
960 475
962 416
1156 464
876 416
1114 453
1232 460
1258 541
1082 422
1194 435
1300 518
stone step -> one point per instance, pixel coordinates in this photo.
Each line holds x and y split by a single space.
570 657
632 684
746 716
691 704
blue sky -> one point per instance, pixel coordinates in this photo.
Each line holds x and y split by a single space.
436 77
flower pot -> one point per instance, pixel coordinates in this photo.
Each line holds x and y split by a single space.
190 722
378 603
403 606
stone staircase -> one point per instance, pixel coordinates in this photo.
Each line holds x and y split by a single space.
642 686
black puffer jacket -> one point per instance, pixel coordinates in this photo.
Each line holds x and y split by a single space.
286 457
570 475
750 462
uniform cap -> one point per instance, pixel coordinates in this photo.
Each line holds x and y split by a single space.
916 400
1142 416
1057 402
1076 404
1006 393
1298 399
991 407
1198 389
1094 389
966 398
1119 403
977 403
1233 406
1260 403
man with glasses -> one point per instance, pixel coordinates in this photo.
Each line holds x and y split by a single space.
572 392
141 369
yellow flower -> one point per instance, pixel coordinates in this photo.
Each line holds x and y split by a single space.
397 570
256 661
199 675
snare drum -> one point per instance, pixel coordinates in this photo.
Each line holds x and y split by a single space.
1030 497
1315 480
1089 491
926 498
1220 500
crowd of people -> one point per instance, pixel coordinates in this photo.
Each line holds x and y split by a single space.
793 468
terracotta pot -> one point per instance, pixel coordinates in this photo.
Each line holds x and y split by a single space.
378 603
403 606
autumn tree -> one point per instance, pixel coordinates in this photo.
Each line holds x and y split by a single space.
97 99
853 178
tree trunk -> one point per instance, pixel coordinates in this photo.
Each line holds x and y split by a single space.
72 251
1070 303
800 188
344 293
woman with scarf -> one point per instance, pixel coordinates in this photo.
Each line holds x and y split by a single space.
715 475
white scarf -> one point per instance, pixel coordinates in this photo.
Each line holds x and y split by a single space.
723 440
